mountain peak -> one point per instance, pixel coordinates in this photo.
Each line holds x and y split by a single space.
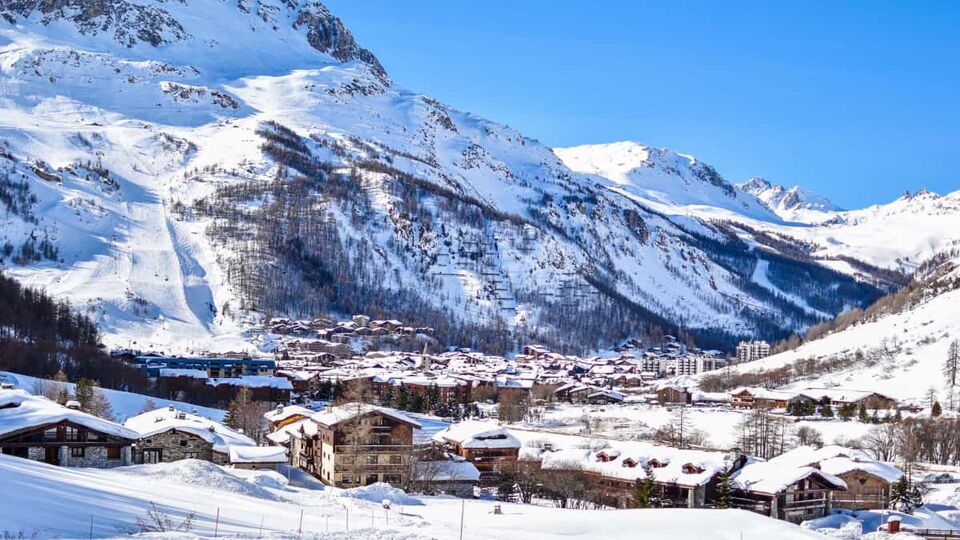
165 23
787 202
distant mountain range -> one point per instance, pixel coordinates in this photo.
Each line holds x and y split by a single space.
180 181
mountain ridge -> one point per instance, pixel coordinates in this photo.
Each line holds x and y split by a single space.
182 194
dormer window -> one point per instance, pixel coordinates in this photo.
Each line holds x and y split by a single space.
630 462
690 468
657 464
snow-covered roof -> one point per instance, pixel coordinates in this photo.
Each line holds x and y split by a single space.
770 478
839 394
165 419
335 415
282 413
838 460
447 470
687 468
21 410
254 381
258 454
478 434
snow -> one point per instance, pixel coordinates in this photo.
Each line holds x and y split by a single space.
771 478
448 470
169 418
114 499
258 454
21 410
477 434
282 413
379 492
342 413
124 404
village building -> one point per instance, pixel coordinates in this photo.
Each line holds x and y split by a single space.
356 444
266 458
748 351
784 490
285 415
670 394
868 480
168 434
491 448
456 477
35 428
683 478
212 367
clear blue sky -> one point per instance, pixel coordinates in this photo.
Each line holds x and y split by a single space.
855 100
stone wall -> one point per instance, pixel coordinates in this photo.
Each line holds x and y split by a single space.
176 445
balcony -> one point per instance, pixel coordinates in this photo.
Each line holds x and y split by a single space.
373 449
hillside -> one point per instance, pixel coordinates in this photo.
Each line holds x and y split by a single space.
180 192
897 347
264 504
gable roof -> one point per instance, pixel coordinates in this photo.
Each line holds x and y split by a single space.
167 419
342 413
20 410
478 434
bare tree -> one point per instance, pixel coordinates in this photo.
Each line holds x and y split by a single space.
883 442
246 415
951 370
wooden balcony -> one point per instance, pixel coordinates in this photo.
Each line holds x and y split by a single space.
373 449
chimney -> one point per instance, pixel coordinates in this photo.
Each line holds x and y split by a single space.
170 408
73 405
893 524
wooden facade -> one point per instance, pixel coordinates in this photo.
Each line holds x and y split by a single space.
68 444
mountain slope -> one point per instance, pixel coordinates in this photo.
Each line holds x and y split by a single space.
180 189
897 347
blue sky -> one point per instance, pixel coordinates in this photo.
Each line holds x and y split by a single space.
855 100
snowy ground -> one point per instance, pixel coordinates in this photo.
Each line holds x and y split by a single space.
54 502
124 404
641 421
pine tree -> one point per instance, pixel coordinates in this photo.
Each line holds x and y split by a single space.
951 369
862 413
83 394
826 411
643 495
63 393
936 410
723 489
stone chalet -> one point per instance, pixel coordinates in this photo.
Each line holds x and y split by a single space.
167 434
354 444
33 427
490 447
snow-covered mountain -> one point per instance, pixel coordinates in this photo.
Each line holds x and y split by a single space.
668 181
180 188
897 347
791 204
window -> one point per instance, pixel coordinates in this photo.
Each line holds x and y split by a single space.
73 434
183 442
77 452
50 434
372 460
191 455
396 460
113 452
154 455
346 479
347 460
392 479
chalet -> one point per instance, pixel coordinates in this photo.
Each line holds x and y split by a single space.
683 478
257 458
491 448
783 490
285 415
355 444
603 397
35 428
838 397
168 435
674 394
760 398
868 480
457 477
